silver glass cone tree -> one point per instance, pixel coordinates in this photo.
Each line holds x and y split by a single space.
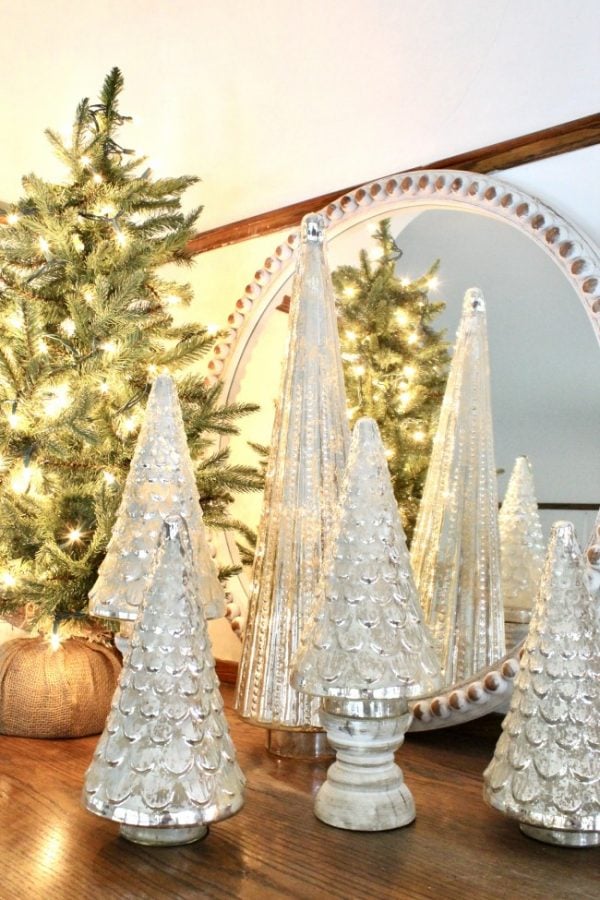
160 483
522 550
366 650
305 467
546 766
165 765
456 550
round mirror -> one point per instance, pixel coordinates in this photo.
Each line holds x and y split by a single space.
540 281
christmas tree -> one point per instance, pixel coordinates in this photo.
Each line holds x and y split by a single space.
85 325
456 547
522 546
160 483
165 765
306 463
546 766
366 642
395 362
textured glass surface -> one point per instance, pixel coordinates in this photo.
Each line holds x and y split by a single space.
456 549
366 637
521 539
165 757
546 766
160 483
306 465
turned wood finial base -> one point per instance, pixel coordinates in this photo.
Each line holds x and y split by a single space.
365 789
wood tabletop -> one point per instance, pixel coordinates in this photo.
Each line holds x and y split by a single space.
458 848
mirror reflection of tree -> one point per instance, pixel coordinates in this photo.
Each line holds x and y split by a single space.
395 361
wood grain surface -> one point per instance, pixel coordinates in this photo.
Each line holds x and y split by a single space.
50 847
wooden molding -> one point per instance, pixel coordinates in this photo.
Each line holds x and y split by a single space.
227 670
537 145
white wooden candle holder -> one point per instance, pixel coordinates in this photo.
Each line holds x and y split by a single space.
365 789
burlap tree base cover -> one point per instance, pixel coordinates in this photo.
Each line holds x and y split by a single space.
46 693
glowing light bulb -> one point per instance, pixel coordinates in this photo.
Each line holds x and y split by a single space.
409 371
389 453
418 436
88 295
58 400
103 387
405 397
42 346
13 420
68 326
74 535
405 282
412 338
173 300
15 320
108 210
12 218
212 328
433 282
109 478
85 160
109 347
78 243
21 480
402 317
43 245
55 641
121 238
8 579
350 357
97 178
376 253
129 425
351 335
349 291
152 369
358 370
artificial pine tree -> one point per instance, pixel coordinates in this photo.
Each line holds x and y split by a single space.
85 324
395 362
165 765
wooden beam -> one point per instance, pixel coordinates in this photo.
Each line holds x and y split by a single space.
517 151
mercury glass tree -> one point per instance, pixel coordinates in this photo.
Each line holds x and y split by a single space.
165 765
522 550
366 650
307 459
546 766
161 482
456 549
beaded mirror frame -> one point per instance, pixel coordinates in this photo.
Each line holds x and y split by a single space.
574 254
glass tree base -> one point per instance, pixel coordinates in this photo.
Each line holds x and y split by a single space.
163 837
561 838
298 744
